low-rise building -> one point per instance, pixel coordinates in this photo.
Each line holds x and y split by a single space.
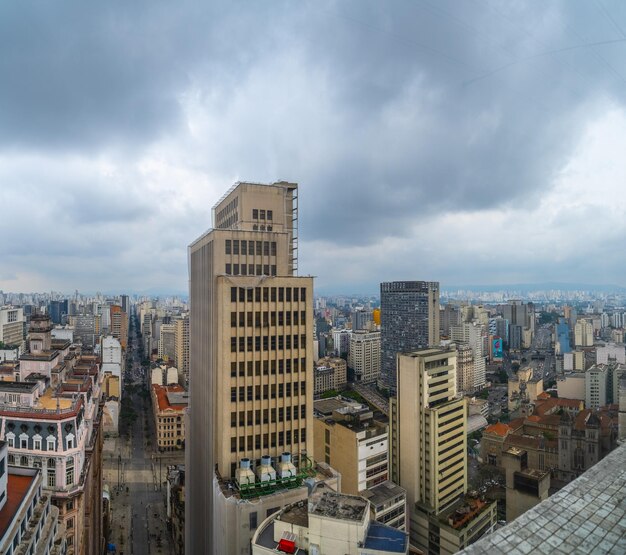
329 523
168 405
29 523
355 444
330 373
525 487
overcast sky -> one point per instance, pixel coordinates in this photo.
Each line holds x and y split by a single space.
469 142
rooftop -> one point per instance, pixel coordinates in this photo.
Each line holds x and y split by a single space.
337 505
383 492
17 490
163 393
385 538
587 516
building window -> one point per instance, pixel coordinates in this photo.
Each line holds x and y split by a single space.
253 521
228 246
269 215
52 481
255 214
23 461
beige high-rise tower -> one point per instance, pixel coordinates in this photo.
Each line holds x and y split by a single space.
428 454
251 345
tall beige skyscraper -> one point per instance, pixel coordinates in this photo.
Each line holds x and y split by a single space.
251 345
429 453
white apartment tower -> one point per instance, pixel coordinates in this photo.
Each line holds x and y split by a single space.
251 345
364 356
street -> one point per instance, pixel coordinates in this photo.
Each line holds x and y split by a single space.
135 471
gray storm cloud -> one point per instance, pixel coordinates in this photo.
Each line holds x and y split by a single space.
120 124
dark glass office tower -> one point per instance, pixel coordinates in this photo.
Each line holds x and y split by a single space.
409 312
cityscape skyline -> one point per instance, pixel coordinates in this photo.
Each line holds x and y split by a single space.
501 128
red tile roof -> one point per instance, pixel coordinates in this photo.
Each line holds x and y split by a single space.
161 393
498 428
17 489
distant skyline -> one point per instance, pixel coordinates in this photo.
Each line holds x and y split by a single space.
473 142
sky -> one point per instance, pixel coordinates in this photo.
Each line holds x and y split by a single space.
467 142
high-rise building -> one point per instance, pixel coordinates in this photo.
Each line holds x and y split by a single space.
167 341
12 324
429 453
119 324
251 346
364 357
409 321
583 333
181 341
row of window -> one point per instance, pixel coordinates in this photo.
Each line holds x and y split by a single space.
265 294
265 343
265 319
249 270
258 248
280 414
249 393
258 214
269 367
265 441
23 442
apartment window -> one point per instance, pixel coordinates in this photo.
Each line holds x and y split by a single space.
273 442
69 472
266 293
23 443
242 369
10 440
242 295
242 344
281 342
265 342
266 368
273 270
281 367
233 294
273 367
327 436
288 294
281 294
262 214
266 248
242 393
296 365
235 247
281 319
288 389
244 247
303 317
250 439
273 342
295 294
288 318
233 419
251 269
266 270
259 248
249 393
249 418
228 246
273 318
253 521
273 416
242 443
266 413
281 414
303 435
288 413
255 213
249 343
288 364
269 215
273 248
257 393
228 269
235 269
273 391
257 343
242 418
52 481
302 387
23 461
281 438
288 437
295 342
233 369
69 506
70 523
244 270
273 294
